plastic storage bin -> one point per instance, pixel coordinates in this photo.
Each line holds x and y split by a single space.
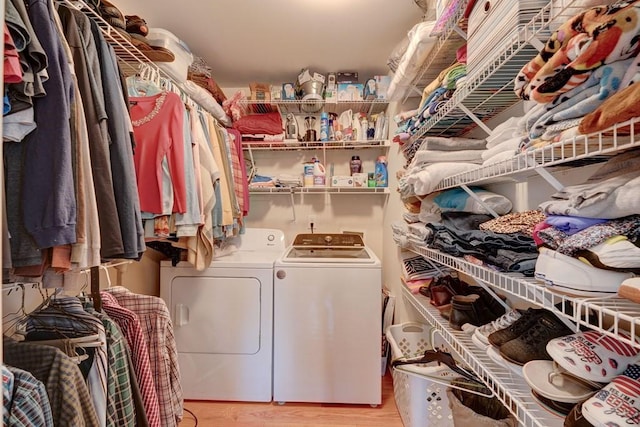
494 25
420 401
179 68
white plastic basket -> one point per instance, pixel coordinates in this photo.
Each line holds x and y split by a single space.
420 401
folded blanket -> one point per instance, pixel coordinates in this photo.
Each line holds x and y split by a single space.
633 73
572 224
451 144
582 100
269 123
612 198
425 179
437 156
509 145
505 130
436 83
429 210
597 36
620 107
500 157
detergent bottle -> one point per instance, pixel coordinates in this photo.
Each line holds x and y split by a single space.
381 175
318 174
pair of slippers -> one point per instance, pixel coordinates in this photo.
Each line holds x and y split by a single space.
593 368
134 29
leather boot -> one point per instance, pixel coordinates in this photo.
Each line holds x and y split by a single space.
465 309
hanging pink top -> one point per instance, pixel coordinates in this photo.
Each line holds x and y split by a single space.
158 123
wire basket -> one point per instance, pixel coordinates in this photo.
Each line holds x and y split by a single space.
420 401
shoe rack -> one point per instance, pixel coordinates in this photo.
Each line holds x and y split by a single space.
489 88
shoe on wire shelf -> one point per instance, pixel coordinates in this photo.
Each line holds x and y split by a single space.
481 334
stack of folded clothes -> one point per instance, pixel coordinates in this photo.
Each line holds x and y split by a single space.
586 61
590 233
508 248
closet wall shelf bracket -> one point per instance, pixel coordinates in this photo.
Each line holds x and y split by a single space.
514 393
475 118
609 315
546 175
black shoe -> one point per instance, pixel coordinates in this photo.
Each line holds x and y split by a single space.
527 319
473 309
532 343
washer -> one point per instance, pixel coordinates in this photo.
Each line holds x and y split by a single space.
223 320
327 321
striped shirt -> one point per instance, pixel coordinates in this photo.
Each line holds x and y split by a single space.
129 324
157 329
121 411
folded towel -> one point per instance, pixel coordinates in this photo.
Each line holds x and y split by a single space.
620 107
436 156
586 98
451 144
597 36
510 146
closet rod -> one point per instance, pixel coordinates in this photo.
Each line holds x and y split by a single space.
128 55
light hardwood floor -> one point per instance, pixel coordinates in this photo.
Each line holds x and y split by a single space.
241 414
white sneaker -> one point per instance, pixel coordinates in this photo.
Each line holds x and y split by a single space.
481 334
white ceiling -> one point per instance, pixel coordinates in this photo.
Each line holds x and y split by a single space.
272 40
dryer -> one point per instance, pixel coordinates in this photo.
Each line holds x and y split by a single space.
223 320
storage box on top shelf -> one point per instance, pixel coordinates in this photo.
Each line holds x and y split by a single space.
382 86
179 68
350 91
492 25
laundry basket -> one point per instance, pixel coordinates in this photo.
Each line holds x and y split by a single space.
421 402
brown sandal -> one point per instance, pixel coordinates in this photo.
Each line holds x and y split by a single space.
137 25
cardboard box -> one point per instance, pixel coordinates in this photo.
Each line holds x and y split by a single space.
347 77
359 179
369 92
288 91
382 86
350 91
341 181
331 95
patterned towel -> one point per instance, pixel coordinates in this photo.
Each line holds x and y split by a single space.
584 99
603 34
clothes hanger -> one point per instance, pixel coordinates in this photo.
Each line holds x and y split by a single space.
143 83
441 357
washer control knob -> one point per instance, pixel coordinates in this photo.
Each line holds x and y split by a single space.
271 237
328 239
281 274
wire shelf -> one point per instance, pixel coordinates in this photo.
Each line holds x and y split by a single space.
613 316
591 148
319 190
298 106
488 90
443 53
326 145
511 389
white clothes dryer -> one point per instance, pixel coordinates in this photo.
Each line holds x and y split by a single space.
223 320
327 321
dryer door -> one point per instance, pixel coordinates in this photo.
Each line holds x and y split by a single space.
216 315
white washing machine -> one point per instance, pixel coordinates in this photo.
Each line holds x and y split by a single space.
223 320
327 321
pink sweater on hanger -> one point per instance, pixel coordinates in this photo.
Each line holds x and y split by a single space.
158 123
